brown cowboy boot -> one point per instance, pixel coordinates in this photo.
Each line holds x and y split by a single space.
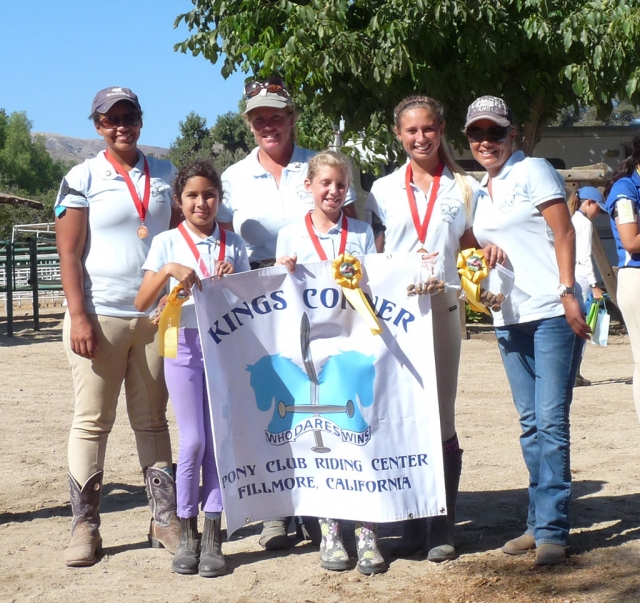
85 542
164 528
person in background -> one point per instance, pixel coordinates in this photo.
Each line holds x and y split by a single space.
107 211
426 206
264 192
324 234
584 205
197 249
541 325
623 206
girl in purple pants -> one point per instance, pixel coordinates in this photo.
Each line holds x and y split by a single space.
197 249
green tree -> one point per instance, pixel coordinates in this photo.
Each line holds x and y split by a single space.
358 58
228 141
622 114
194 142
26 170
231 131
25 162
10 215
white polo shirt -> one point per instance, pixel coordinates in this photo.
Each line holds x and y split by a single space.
585 273
171 246
512 221
259 208
294 239
114 253
449 220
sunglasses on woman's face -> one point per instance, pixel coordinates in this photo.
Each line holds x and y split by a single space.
275 85
128 120
493 134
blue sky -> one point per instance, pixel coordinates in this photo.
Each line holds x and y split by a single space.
56 54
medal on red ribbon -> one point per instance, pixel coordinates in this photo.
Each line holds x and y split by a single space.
196 254
421 227
316 241
142 205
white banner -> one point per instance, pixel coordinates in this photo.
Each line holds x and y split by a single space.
312 414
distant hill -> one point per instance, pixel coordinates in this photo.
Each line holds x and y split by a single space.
79 149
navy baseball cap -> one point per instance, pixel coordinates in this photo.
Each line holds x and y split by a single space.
591 192
105 99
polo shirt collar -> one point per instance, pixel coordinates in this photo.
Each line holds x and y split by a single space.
107 169
333 230
296 163
401 175
516 157
213 238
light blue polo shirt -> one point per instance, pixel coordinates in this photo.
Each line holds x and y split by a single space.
512 221
171 246
294 239
449 221
114 253
259 208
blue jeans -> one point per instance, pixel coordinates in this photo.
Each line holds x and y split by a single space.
541 359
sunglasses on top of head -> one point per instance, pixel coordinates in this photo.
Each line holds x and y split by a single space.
493 134
128 120
274 85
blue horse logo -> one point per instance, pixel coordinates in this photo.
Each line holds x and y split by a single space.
301 402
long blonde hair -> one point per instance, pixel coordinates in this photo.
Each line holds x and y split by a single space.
444 152
574 203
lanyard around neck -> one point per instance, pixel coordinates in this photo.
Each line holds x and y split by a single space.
421 227
316 241
196 254
142 205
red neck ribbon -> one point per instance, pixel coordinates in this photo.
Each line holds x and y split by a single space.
421 227
316 241
141 205
196 254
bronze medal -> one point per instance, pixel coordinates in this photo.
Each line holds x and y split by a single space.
143 231
422 250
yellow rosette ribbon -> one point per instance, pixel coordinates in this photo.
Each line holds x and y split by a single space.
169 322
347 271
472 268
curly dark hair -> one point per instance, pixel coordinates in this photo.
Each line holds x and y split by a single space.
200 167
627 167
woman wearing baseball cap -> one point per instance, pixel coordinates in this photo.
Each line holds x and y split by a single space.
264 192
108 210
584 205
541 325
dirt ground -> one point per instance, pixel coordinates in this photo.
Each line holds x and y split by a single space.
35 516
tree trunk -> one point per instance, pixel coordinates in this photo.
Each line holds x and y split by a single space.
532 129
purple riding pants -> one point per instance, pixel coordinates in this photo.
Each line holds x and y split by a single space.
185 380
